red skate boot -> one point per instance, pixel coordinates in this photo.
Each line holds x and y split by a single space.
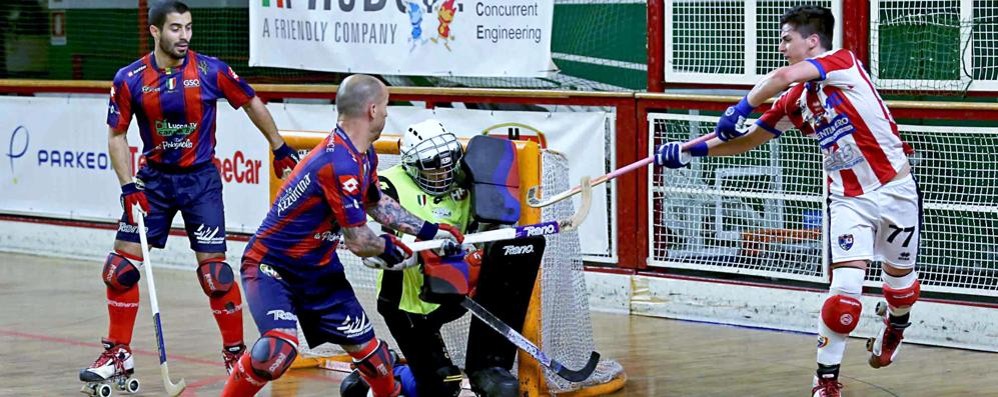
826 387
884 347
231 355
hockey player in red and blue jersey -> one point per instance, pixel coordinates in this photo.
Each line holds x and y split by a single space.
290 271
172 94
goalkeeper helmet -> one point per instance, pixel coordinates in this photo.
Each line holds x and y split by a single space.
431 155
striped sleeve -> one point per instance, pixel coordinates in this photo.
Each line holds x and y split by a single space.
836 61
342 187
119 109
236 90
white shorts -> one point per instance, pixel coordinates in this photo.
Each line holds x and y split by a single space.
882 225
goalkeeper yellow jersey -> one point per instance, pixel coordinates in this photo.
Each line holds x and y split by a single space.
453 209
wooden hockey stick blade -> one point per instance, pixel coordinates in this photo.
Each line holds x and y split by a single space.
534 199
527 346
536 229
580 213
173 389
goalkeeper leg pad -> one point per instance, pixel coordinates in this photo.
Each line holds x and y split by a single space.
494 382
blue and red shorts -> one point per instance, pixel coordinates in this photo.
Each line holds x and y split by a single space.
322 301
196 193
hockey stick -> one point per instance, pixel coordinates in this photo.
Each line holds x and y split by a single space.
534 199
537 229
524 344
173 389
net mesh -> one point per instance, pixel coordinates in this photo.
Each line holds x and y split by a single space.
938 46
761 213
567 331
566 324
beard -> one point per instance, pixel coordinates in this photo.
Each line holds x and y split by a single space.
171 50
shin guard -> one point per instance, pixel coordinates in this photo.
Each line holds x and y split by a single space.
218 283
374 362
121 278
899 301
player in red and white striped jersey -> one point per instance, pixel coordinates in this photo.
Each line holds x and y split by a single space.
875 205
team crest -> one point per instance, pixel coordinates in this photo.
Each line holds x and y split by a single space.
845 241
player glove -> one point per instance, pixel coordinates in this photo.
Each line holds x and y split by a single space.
285 160
732 123
474 260
442 231
673 155
397 255
131 196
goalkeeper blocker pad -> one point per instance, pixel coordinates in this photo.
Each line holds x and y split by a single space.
490 165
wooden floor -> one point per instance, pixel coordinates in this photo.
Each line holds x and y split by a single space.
52 315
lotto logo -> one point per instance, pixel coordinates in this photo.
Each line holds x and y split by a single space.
350 184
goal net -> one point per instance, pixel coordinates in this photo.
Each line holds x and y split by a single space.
934 45
761 213
561 314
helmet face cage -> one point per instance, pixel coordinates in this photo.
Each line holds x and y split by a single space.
433 163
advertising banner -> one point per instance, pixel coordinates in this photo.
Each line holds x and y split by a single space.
486 38
56 163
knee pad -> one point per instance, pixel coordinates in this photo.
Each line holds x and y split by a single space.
215 276
840 313
902 297
271 356
377 363
119 273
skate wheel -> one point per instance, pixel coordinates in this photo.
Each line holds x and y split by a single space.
881 308
869 344
132 386
103 390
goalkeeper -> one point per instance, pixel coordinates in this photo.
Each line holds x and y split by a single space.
426 183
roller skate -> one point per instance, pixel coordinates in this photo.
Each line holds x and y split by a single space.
884 347
114 367
231 355
826 382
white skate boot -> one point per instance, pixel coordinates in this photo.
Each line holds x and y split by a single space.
113 367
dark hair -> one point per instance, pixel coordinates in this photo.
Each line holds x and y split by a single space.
808 20
355 93
158 11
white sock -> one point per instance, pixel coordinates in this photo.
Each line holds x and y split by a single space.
832 345
899 283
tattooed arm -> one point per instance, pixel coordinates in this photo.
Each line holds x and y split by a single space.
390 213
362 241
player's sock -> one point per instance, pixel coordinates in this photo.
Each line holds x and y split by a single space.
122 306
847 286
228 312
375 366
242 381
